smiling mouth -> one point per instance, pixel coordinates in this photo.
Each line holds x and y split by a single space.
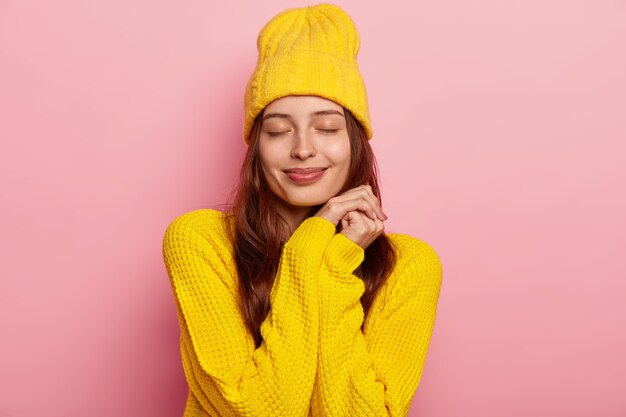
305 170
307 177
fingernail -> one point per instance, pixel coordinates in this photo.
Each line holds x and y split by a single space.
386 217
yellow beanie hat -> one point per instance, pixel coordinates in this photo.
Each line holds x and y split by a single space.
307 51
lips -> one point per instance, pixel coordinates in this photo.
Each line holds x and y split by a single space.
304 170
304 176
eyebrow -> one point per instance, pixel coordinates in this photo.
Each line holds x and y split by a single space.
287 116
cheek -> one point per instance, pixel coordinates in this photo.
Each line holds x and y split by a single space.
268 157
339 153
266 167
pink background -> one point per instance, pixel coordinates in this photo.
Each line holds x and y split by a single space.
500 132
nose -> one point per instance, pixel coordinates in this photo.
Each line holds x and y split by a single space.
303 146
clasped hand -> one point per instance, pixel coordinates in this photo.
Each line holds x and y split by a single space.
360 214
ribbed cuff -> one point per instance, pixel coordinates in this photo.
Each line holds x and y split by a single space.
314 233
343 254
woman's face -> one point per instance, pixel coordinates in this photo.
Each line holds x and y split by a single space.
304 132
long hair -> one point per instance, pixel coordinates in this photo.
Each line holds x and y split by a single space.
259 231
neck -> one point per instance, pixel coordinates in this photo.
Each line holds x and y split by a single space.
294 215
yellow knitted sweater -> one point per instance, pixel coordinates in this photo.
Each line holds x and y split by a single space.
314 359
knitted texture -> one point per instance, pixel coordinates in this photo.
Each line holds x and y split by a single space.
308 51
314 359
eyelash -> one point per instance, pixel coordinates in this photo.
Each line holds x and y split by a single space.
322 130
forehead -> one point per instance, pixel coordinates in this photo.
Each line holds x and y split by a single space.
302 105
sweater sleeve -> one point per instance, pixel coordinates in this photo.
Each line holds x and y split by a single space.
374 372
226 375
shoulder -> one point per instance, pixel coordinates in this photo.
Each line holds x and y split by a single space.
202 221
410 247
199 227
417 260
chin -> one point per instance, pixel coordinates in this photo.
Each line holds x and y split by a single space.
306 199
305 202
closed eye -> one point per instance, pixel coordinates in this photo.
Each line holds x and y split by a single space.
321 130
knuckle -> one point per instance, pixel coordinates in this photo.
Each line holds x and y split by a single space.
334 207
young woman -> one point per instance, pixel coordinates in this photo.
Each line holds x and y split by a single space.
294 301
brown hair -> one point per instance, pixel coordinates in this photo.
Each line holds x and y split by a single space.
258 232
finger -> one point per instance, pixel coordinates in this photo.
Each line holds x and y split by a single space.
375 203
360 203
374 227
380 226
363 223
365 191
